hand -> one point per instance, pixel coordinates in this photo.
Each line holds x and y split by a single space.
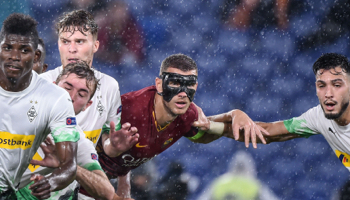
41 186
203 122
51 160
242 123
123 139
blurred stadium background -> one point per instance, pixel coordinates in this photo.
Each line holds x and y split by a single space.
260 71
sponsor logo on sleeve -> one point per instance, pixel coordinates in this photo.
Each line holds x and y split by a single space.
343 157
71 121
94 156
119 110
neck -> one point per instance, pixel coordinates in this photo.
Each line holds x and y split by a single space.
14 85
344 119
162 113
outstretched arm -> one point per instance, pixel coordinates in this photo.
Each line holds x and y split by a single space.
61 176
278 132
232 124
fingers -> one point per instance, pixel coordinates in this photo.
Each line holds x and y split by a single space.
41 187
36 162
112 125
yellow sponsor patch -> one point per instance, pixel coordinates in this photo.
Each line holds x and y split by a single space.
15 141
93 135
31 167
343 157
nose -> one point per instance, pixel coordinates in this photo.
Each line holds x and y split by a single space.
182 94
15 55
72 47
72 95
329 92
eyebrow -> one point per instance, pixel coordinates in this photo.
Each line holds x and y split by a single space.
81 89
333 81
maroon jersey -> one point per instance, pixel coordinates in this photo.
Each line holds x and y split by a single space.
138 110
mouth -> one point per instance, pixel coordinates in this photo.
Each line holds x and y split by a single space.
13 67
329 105
73 60
180 104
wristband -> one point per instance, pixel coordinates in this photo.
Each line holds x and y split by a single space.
216 128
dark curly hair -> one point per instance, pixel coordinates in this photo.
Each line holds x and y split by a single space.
330 61
20 24
80 20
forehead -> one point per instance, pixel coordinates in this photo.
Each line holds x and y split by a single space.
178 71
331 74
73 33
77 82
13 39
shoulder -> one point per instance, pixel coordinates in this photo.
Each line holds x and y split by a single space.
106 80
52 75
191 114
146 94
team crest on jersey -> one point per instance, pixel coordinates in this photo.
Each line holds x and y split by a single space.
94 156
100 107
32 114
343 157
166 143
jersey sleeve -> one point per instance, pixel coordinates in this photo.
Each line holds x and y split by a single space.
114 113
62 120
304 125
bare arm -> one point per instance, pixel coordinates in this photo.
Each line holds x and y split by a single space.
232 124
96 183
124 186
278 132
61 176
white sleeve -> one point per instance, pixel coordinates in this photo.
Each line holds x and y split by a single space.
304 125
62 120
114 113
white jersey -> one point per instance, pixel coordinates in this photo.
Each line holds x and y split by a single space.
314 122
105 107
86 157
27 117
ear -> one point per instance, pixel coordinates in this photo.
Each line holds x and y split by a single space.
159 85
37 56
44 67
96 46
87 105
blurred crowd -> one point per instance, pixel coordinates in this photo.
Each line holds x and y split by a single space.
253 55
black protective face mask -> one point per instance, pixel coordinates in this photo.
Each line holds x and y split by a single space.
181 81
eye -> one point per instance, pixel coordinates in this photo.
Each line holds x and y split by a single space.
66 88
6 48
174 84
80 41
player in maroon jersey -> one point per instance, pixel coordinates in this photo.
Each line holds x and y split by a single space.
164 113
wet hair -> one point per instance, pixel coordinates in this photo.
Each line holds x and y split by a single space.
43 51
330 61
83 71
20 24
80 20
178 61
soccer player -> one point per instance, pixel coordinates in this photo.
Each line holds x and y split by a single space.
79 81
31 108
330 118
77 41
41 66
163 114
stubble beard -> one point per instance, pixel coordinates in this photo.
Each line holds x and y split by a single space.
332 116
